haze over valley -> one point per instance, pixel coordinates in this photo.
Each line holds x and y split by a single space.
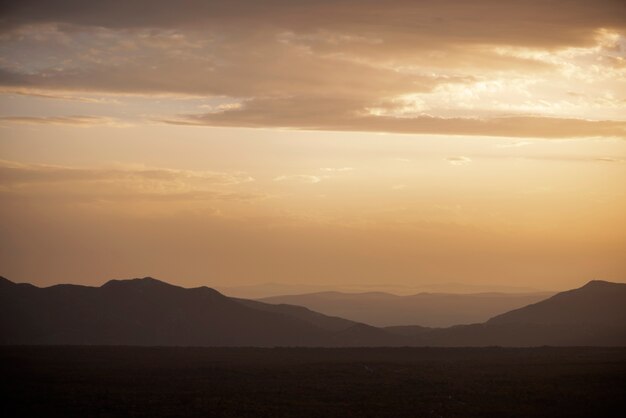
151 312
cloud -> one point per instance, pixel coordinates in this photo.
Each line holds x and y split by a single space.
313 179
458 160
14 172
573 158
609 159
20 180
55 95
343 115
305 178
60 120
515 144
401 20
545 157
401 66
337 169
237 65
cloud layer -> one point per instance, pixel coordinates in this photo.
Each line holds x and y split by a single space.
519 69
68 184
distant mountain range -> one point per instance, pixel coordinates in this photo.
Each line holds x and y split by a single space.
150 312
266 290
425 309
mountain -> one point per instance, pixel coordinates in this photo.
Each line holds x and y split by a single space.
150 312
425 309
598 302
266 290
329 323
262 290
593 315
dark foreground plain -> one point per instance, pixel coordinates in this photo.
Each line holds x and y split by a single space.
313 382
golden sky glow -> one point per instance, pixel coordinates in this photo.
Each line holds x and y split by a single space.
328 142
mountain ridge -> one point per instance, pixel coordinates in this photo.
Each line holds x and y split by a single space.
425 309
147 311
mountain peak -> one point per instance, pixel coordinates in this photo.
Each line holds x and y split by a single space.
142 282
598 302
599 284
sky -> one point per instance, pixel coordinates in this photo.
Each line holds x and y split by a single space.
328 143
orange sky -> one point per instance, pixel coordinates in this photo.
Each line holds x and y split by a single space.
339 143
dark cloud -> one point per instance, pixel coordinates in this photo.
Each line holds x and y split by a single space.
330 114
310 64
532 22
256 67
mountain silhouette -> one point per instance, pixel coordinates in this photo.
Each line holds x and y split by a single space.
593 315
425 309
150 312
597 303
329 323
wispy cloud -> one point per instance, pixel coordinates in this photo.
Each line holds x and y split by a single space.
119 183
458 160
304 178
516 144
343 115
337 169
56 95
77 120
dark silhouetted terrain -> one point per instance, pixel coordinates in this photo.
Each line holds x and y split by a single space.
149 312
313 382
425 309
593 315
597 302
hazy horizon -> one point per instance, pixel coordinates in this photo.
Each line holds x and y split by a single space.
271 289
338 144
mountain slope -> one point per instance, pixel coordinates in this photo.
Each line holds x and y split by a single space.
329 323
596 303
425 309
593 315
149 312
